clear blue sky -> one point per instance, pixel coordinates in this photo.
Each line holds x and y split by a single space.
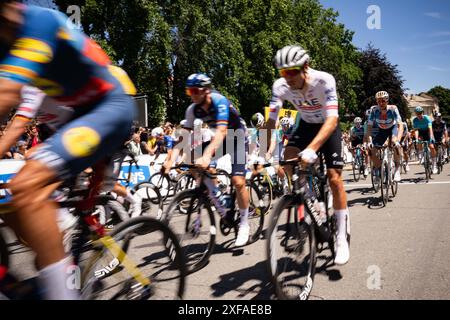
414 34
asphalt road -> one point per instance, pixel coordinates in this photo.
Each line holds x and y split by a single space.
401 251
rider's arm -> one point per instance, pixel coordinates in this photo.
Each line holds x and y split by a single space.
331 114
216 141
9 95
15 129
430 128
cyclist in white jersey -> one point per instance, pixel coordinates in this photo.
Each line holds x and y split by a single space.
313 94
35 105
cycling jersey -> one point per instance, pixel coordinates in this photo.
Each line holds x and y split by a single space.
318 103
68 66
357 133
74 71
384 120
439 128
422 124
220 113
36 104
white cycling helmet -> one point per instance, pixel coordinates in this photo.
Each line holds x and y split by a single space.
382 95
183 123
157 132
357 120
368 111
257 120
198 123
291 56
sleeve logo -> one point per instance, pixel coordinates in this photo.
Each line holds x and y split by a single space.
32 50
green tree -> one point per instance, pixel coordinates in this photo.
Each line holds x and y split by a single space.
380 75
443 96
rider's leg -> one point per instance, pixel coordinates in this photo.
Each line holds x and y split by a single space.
290 153
36 223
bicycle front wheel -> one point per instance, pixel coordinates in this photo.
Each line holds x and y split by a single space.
140 260
192 220
291 250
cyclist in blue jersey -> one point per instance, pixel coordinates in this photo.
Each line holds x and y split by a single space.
38 48
357 139
390 124
230 130
423 126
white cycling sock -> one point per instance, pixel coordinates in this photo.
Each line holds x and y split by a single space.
58 282
244 216
433 160
130 197
342 218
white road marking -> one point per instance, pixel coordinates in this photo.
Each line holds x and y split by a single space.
401 183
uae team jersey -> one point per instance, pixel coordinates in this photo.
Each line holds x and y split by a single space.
318 103
66 65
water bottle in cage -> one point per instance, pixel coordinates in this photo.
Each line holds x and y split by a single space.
218 199
317 209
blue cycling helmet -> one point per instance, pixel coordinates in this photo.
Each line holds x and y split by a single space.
199 80
419 109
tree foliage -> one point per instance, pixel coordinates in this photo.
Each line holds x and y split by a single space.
380 75
160 42
443 96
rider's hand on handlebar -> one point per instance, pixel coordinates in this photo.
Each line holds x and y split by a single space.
308 156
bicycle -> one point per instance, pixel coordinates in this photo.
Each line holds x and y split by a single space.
299 229
358 164
440 156
107 261
426 159
385 174
270 187
191 215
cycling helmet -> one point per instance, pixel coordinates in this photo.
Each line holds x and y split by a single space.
368 111
198 123
382 95
257 120
419 109
357 120
291 56
199 80
183 123
438 115
157 132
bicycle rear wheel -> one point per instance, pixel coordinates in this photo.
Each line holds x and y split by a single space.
356 169
192 220
384 184
291 250
375 180
154 251
152 202
163 183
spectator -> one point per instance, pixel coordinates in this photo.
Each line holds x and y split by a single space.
21 150
33 135
134 145
144 143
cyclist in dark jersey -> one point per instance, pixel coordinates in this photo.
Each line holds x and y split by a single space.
230 130
37 47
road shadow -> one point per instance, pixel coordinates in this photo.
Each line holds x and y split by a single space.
362 191
414 180
235 281
374 202
327 268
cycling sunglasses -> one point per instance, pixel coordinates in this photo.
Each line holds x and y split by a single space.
194 91
290 72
